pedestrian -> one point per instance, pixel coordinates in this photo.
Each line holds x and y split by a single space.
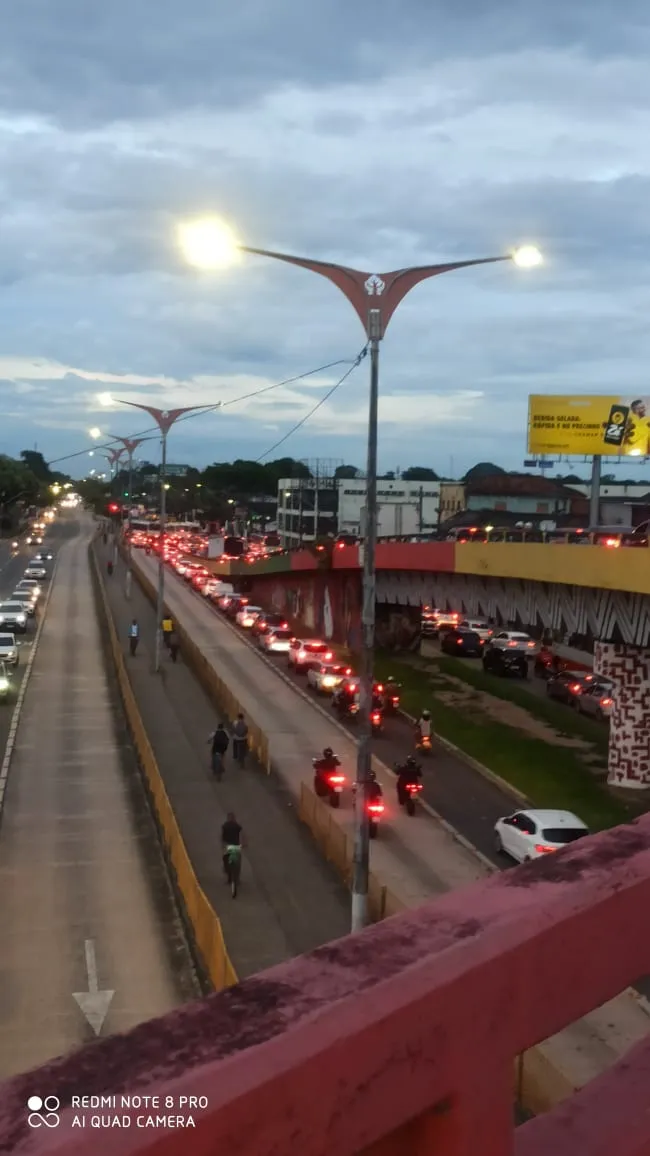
240 739
134 637
167 628
109 568
173 644
220 743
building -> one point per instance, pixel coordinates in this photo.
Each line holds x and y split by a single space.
306 510
310 508
402 507
522 496
625 504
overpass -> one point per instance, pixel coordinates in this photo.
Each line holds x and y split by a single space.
600 595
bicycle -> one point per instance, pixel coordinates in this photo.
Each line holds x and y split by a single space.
232 856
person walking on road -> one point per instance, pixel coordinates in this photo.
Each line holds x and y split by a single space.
240 740
174 645
167 628
220 743
134 637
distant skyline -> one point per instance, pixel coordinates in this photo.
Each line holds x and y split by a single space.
374 134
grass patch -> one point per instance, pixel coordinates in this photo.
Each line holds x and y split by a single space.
563 720
550 776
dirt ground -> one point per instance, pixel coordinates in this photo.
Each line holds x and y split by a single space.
463 696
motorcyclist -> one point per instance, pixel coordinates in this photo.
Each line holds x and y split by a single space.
423 726
407 772
325 765
373 789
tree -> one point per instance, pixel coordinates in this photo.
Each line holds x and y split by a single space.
482 470
346 472
37 465
18 486
419 474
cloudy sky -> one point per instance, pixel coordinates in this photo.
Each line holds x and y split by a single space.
367 132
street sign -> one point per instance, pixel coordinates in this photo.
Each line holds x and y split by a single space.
176 471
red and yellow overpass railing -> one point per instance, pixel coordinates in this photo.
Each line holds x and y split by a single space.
571 565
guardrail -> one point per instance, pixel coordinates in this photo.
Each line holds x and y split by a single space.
201 916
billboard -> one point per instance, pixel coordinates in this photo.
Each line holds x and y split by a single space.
589 424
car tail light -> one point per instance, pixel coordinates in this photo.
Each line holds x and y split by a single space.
544 849
459 642
284 626
530 644
328 655
340 545
612 542
302 654
606 701
512 642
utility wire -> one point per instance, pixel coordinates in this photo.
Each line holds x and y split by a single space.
205 409
357 361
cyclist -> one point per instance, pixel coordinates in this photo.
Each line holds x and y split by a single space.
231 836
240 739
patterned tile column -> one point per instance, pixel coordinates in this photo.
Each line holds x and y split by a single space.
629 734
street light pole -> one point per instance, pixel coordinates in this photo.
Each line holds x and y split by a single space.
374 297
164 419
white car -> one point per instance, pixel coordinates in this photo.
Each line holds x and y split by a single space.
27 599
304 652
13 617
514 640
531 834
596 700
326 677
5 683
214 588
31 586
247 616
477 626
276 641
8 649
35 570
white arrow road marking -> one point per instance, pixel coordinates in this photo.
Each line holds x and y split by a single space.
93 1003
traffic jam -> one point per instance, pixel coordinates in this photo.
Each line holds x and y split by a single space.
315 665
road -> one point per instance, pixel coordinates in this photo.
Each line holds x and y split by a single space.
291 900
90 932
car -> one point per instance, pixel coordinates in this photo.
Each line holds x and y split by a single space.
514 640
447 620
326 677
276 641
568 685
504 662
248 615
44 556
304 651
27 599
233 603
461 642
199 579
33 540
265 622
35 570
480 626
596 700
214 588
31 585
13 617
5 682
532 834
8 649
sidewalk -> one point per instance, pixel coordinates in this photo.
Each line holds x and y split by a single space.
416 859
290 900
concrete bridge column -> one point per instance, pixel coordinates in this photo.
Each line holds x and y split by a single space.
629 734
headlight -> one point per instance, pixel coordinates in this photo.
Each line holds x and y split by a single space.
329 681
4 685
20 618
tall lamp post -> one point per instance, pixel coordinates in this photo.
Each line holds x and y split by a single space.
164 419
374 297
129 446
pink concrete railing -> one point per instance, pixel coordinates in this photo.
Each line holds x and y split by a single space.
396 1042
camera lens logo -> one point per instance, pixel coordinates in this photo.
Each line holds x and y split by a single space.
43 1113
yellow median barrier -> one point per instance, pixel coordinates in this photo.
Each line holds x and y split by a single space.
202 918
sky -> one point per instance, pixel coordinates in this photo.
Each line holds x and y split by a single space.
375 134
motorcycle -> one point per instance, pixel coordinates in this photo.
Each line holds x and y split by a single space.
391 698
375 809
329 784
411 792
423 744
377 723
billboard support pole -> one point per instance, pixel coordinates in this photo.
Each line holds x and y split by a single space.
594 496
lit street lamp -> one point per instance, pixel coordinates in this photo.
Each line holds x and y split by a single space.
164 419
374 297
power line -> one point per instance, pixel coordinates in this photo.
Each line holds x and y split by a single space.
357 361
206 409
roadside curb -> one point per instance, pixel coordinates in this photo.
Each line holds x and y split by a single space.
15 718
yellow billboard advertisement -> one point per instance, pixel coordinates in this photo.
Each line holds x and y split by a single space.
589 424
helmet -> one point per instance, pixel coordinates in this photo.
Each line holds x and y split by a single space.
426 714
372 778
390 678
410 762
327 753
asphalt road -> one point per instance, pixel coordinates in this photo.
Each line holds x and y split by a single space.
89 929
12 567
